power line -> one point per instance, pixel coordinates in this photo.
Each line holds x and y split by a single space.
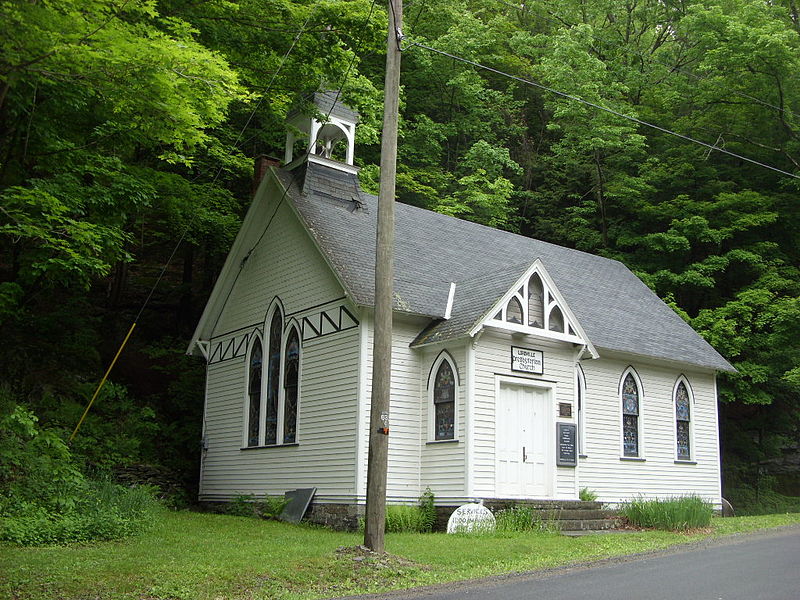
269 86
603 108
559 21
309 149
553 19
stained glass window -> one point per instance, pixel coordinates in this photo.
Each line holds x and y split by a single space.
535 301
254 391
291 373
682 419
514 311
630 416
556 320
273 377
444 402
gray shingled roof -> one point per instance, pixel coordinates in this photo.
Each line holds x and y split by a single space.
615 308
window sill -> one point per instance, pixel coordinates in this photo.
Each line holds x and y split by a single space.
632 459
685 462
437 442
293 444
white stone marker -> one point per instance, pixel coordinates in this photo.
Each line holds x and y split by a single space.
469 518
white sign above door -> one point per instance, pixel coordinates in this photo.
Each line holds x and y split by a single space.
527 360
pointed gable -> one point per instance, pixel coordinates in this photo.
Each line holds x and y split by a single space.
533 305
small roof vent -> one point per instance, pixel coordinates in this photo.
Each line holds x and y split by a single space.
332 141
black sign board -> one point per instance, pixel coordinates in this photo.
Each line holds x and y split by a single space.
297 505
567 444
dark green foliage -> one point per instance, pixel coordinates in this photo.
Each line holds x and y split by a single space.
761 500
243 505
247 505
675 514
272 506
44 497
121 129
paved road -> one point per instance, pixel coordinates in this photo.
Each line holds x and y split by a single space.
762 566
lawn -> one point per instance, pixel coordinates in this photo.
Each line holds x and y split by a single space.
209 557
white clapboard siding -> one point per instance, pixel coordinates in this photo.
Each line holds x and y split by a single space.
492 359
616 480
405 436
284 264
444 463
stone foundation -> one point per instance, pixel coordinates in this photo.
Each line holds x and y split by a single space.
342 517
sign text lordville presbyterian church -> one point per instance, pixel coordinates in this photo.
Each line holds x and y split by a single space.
527 360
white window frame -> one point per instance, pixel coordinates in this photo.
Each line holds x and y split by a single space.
254 335
263 334
291 324
276 304
443 356
692 454
580 405
630 370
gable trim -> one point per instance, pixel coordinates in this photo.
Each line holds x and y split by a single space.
239 253
487 319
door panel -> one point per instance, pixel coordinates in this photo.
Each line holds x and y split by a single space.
523 442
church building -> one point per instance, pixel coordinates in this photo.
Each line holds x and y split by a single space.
521 369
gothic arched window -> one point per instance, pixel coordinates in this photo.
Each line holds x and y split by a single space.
630 396
535 301
683 421
444 401
254 393
291 370
273 376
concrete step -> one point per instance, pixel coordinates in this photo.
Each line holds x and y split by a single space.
544 504
587 524
574 514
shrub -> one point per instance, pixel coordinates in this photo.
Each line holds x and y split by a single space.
105 511
428 509
516 518
404 518
752 501
587 495
271 507
242 505
46 499
675 514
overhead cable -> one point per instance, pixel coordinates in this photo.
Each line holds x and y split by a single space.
601 107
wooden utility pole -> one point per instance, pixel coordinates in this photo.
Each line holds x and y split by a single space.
375 522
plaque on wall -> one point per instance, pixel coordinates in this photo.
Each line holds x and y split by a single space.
565 409
527 360
567 444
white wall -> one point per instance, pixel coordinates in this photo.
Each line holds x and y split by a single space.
493 359
444 462
285 264
616 480
403 482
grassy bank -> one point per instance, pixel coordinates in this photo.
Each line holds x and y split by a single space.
203 556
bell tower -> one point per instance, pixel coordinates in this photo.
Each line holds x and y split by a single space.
332 142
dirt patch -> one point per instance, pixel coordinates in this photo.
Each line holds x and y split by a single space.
364 558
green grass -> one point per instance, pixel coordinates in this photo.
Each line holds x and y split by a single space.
205 556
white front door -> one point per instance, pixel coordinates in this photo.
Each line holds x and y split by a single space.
523 442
